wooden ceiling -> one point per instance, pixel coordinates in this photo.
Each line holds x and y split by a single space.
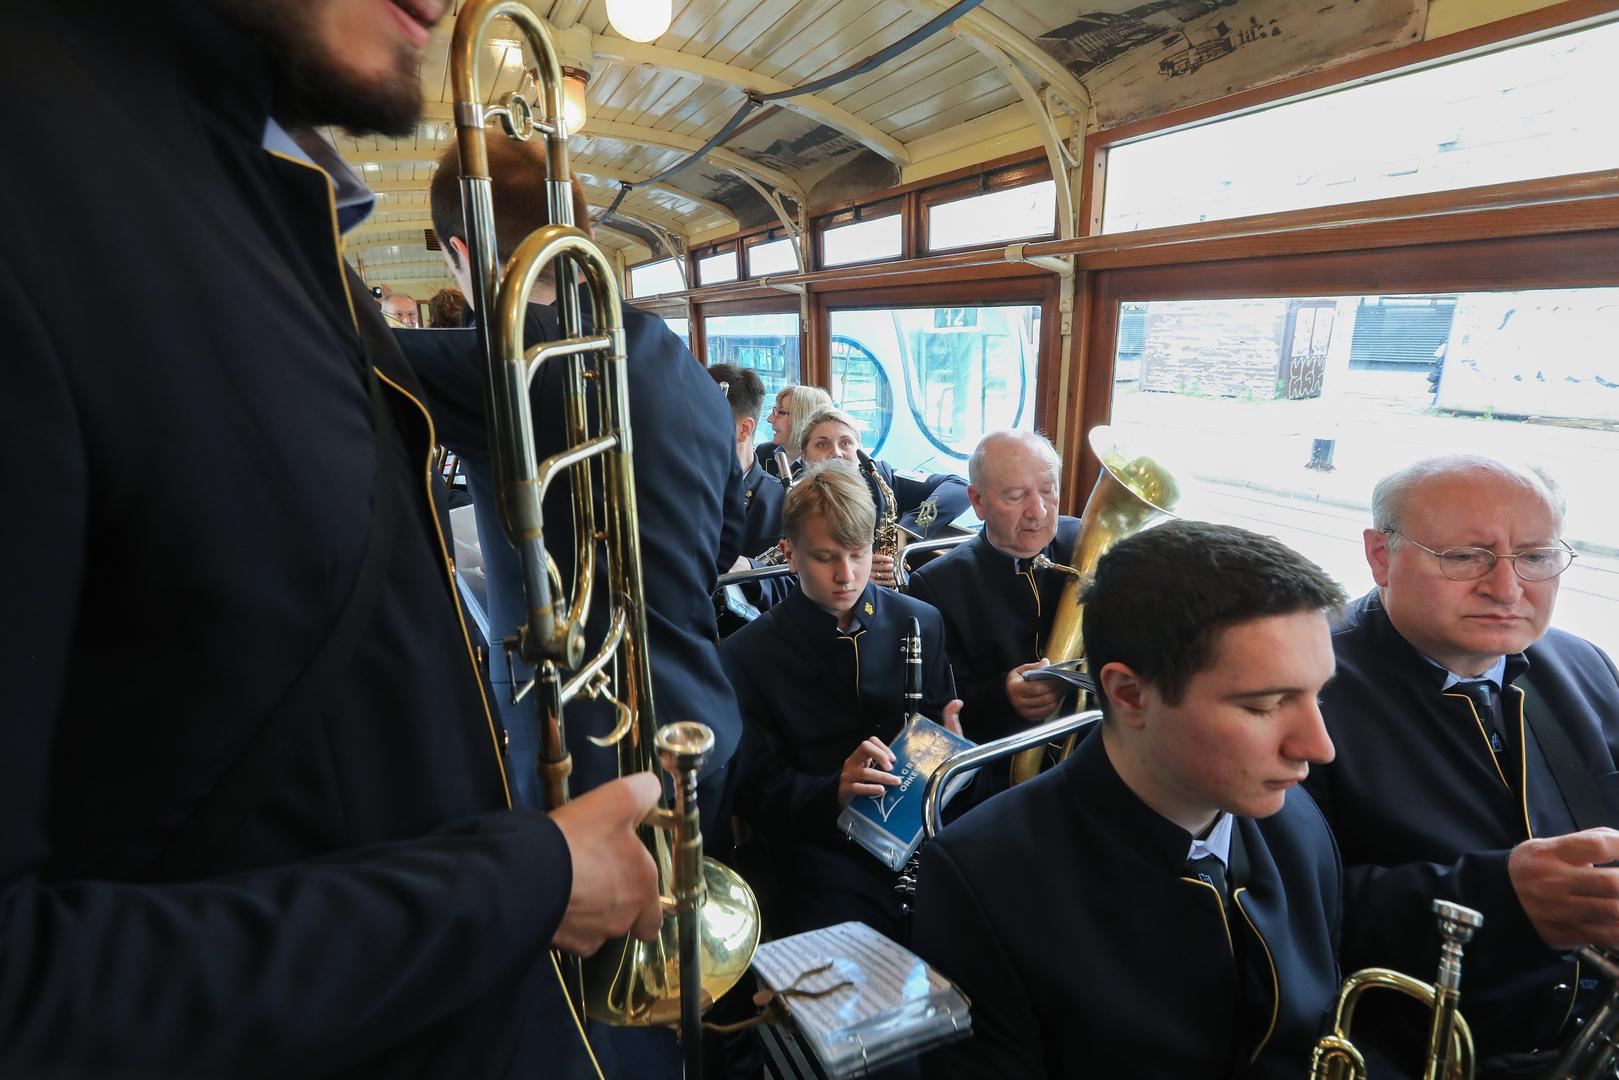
650 105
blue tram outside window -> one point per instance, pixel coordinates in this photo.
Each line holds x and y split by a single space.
766 343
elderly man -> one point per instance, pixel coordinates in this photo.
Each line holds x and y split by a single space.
997 608
401 310
1474 745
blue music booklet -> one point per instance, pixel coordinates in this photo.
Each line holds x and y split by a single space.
890 825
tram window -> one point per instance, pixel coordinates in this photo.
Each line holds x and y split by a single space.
862 241
652 278
951 374
717 268
1263 408
682 329
766 343
1535 110
862 389
1008 214
773 257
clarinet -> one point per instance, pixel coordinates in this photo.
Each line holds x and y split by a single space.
910 648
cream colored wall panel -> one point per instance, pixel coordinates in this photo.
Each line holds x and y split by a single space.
878 30
829 23
797 19
605 81
689 20
663 92
1450 16
625 94
975 70
869 91
701 116
950 109
723 17
740 43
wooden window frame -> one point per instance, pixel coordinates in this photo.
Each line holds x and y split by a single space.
1566 17
876 209
746 244
1003 179
1041 289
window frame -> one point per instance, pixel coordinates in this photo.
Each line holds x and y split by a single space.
1002 179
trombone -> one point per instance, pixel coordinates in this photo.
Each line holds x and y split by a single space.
711 919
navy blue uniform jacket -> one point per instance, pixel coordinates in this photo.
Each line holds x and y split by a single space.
809 695
1421 812
995 619
763 495
688 495
202 465
1061 909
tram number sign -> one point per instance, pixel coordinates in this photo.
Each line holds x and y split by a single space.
955 318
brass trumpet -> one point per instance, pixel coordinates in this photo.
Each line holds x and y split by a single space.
1450 1042
711 923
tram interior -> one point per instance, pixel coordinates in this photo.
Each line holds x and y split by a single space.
1287 244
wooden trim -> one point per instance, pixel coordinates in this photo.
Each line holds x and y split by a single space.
941 294
1021 175
1092 191
1562 204
1414 56
1572 204
1579 260
779 304
992 165
1094 406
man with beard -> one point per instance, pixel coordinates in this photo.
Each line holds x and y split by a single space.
256 819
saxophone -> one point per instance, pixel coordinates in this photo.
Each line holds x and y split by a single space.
773 555
886 540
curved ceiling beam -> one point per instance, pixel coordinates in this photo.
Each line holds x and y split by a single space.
993 30
686 144
739 78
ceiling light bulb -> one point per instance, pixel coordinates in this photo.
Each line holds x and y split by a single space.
640 20
573 98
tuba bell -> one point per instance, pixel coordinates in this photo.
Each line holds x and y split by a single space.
711 923
1133 493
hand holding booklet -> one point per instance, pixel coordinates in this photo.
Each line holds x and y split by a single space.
890 825
874 1001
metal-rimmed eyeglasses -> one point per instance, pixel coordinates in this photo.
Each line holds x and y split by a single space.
1471 563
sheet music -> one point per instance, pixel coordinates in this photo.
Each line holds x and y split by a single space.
893 1007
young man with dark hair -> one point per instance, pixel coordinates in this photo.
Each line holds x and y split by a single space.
1171 860
762 493
820 682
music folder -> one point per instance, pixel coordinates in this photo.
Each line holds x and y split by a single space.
890 825
879 1002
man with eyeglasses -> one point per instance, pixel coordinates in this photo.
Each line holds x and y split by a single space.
1476 758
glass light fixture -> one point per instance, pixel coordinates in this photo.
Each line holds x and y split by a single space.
574 81
640 20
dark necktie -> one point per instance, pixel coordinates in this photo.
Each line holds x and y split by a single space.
1211 871
1487 703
